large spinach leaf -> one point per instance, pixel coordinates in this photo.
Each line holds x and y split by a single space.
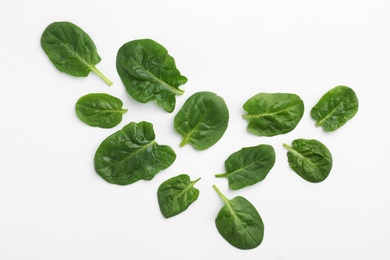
248 166
239 222
202 120
272 114
310 159
71 50
149 73
176 194
335 108
132 154
100 109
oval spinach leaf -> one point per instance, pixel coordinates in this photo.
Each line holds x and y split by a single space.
202 120
335 108
271 114
310 159
248 166
71 50
176 194
100 109
149 73
239 223
132 154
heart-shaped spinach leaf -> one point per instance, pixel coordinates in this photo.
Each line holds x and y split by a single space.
71 50
132 154
310 159
149 73
335 108
176 194
239 223
248 166
202 120
272 114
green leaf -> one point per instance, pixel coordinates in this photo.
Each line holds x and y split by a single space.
176 194
310 159
202 120
335 108
132 154
149 73
239 223
71 50
248 166
271 114
100 110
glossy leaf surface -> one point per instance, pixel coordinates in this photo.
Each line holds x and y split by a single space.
239 223
149 73
71 50
176 194
310 159
202 120
132 154
271 114
335 108
100 110
248 166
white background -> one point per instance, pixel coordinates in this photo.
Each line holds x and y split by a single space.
54 206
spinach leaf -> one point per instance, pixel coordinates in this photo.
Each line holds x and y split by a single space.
335 108
248 166
239 223
202 120
71 50
310 159
132 154
149 73
100 109
176 194
271 114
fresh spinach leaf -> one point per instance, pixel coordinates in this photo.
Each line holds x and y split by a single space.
239 223
335 108
149 73
248 166
271 114
176 194
71 50
100 109
310 159
132 154
202 120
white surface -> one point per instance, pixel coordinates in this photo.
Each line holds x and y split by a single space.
54 206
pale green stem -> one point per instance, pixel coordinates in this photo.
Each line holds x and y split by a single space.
102 76
221 175
220 194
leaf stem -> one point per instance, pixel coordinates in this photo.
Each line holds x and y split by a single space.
220 194
221 175
102 76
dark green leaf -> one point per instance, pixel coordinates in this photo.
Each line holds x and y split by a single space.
132 154
239 222
149 73
202 120
71 50
310 159
335 108
273 114
100 109
176 195
248 166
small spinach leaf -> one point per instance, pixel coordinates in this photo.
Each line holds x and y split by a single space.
310 159
248 166
71 50
176 194
132 154
100 109
202 120
149 73
335 108
239 223
272 114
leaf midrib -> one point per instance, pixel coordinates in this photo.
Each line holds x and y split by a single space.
330 113
269 114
